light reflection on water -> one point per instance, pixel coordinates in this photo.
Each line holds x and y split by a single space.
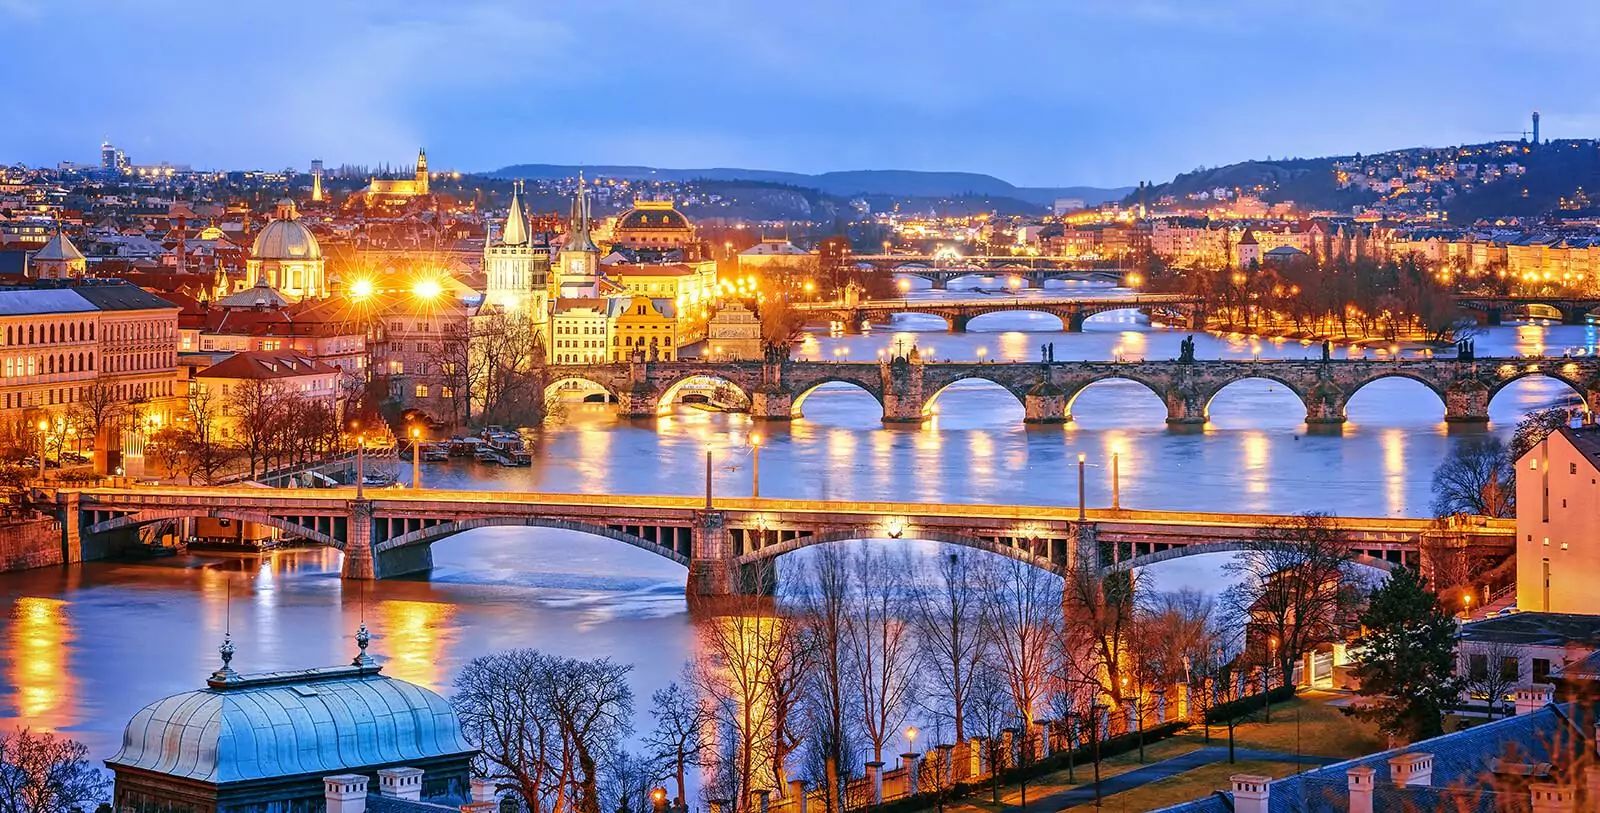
86 647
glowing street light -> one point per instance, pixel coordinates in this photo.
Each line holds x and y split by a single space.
427 288
755 467
416 457
44 438
361 289
1082 515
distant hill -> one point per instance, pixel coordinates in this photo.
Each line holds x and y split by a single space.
898 183
1552 174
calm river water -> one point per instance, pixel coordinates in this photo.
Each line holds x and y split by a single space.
81 649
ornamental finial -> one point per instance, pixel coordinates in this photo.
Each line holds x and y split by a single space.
362 639
225 674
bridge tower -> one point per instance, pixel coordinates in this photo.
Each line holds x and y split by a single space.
771 401
358 555
903 397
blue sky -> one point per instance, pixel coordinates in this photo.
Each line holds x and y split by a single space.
1038 93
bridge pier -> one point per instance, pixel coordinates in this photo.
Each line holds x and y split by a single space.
1072 321
1325 406
358 556
958 323
771 404
1466 401
1574 315
1185 409
71 527
711 557
637 402
1045 403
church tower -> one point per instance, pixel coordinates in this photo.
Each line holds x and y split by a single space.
514 266
577 271
422 171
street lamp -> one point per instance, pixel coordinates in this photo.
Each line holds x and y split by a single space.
416 457
911 739
658 800
44 440
1116 480
1081 514
755 467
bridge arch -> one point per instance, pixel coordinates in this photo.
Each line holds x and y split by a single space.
812 385
1076 389
868 532
670 391
150 515
1064 317
1294 390
434 533
1432 386
1198 549
1519 375
555 386
1019 394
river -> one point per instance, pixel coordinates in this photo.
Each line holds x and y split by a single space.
82 648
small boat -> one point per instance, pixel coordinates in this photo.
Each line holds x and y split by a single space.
486 454
434 453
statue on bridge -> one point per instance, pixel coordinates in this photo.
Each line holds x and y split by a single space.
1186 350
1466 350
1047 353
775 352
1327 351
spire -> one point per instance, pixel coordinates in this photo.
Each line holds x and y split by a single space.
224 676
363 638
579 239
516 231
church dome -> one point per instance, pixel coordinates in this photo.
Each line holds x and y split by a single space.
286 238
652 215
317 722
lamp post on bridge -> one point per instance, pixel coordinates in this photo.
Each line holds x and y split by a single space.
755 467
416 457
1116 481
1082 515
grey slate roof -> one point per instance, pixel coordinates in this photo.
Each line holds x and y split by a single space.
29 301
120 296
314 722
1555 734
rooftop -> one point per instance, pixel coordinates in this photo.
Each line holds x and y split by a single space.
1547 629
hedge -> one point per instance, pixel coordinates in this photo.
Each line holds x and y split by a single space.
1223 712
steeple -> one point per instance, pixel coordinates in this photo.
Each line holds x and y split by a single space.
516 231
422 171
579 239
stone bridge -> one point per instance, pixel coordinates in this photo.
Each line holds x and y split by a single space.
957 313
728 544
906 387
1030 276
1492 309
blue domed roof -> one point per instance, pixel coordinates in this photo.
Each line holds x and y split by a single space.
280 724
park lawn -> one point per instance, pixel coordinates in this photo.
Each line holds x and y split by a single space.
1039 787
1186 786
1324 730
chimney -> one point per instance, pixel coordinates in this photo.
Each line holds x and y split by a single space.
1411 770
1533 696
345 793
1250 792
1548 797
483 790
400 783
1359 779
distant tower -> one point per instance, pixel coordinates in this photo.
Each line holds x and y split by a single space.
316 181
422 171
108 156
1536 128
577 269
515 268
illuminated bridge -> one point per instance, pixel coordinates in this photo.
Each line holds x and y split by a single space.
906 387
957 313
729 545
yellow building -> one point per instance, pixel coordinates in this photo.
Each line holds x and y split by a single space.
645 326
580 329
403 187
733 334
1558 523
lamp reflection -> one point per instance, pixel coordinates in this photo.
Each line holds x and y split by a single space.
41 636
414 639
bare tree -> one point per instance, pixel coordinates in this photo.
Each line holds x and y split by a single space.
1101 614
1477 478
256 407
1022 617
43 773
545 724
1298 589
824 598
682 733
1492 670
880 646
946 615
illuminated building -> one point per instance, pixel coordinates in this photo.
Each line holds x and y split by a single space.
300 740
1557 522
287 258
296 374
580 329
774 252
645 326
316 181
413 187
514 269
577 269
653 224
58 259
733 334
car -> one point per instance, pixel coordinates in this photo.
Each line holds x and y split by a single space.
74 457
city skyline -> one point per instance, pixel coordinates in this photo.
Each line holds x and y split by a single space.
1091 95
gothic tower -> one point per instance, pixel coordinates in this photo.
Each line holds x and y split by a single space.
578 268
422 171
514 266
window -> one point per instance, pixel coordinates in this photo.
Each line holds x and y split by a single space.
1511 668
1541 670
1572 468
422 390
